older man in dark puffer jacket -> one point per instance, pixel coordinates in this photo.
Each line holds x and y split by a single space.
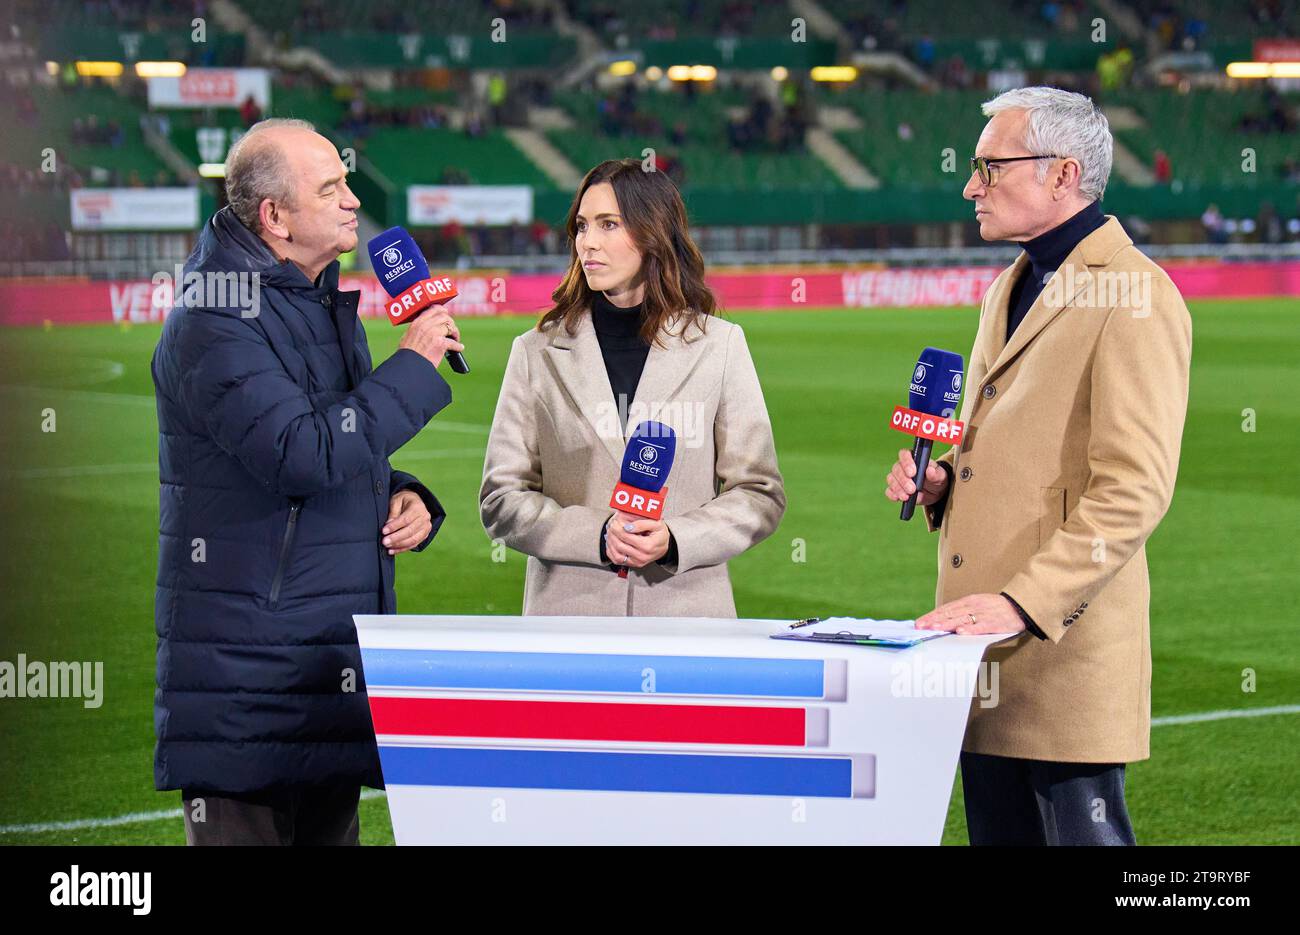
280 515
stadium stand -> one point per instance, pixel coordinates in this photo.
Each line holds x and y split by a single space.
717 138
1204 133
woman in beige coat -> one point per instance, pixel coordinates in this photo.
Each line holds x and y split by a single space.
632 337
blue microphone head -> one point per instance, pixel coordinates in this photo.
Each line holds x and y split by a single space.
397 260
936 383
649 456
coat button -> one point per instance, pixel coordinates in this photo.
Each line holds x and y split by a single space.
956 560
379 486
967 473
990 391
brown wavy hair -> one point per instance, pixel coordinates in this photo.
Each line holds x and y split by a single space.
672 267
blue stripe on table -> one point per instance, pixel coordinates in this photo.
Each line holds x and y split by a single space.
607 771
594 672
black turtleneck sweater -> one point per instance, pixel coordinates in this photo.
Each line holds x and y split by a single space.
618 330
1046 253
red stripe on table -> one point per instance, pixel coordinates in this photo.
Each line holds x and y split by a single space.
567 720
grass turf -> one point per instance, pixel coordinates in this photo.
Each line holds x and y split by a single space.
79 508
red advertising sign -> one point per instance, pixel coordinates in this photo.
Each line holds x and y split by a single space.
1277 50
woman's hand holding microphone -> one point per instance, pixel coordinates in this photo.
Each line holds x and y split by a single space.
635 542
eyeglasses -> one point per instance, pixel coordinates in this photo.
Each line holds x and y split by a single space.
984 165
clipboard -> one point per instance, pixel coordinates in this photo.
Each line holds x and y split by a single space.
853 631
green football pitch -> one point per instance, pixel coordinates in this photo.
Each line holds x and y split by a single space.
79 512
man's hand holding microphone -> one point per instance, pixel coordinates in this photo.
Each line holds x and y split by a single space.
901 481
432 335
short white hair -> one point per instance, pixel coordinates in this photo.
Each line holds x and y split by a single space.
1065 124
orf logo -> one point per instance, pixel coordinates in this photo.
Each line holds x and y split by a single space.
956 382
648 454
919 376
392 256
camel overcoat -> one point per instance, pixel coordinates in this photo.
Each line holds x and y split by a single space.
1067 465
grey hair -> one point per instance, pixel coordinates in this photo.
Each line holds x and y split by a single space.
1067 124
257 172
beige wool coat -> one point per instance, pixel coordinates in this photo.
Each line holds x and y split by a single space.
555 451
1067 466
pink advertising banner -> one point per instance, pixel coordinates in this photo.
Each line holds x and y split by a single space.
74 301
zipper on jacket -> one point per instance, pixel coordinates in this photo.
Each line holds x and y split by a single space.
285 546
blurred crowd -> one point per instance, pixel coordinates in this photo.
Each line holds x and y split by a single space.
763 124
452 241
402 16
1179 27
1268 226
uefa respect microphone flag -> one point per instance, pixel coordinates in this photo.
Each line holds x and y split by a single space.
404 274
932 397
646 462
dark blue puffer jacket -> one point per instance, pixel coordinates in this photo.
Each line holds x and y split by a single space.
273 458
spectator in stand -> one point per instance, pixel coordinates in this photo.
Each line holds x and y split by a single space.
1162 169
55 245
923 52
496 93
249 112
1269 224
1215 227
539 236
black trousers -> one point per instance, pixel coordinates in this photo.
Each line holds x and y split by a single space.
1012 801
297 815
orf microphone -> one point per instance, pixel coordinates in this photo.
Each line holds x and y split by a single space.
932 401
404 273
646 462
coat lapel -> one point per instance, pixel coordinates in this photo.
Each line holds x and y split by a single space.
580 368
1071 278
995 336
666 369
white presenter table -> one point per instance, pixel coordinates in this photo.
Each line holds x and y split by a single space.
622 730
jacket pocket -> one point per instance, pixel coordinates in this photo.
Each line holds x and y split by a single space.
286 548
1051 512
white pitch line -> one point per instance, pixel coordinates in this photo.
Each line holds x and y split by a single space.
1224 715
134 818
140 817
